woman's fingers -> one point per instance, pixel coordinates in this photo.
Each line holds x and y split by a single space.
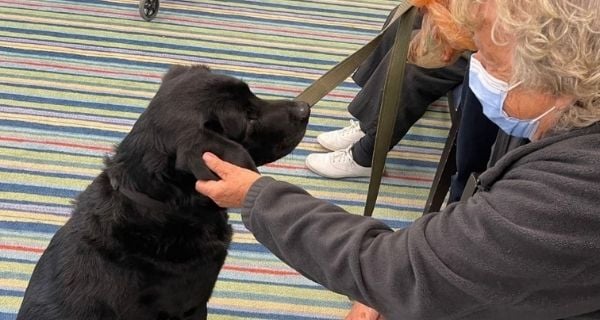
231 190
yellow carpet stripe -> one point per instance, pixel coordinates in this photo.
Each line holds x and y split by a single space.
36 198
242 287
13 283
72 96
61 108
31 219
65 158
272 307
16 267
67 122
147 89
33 179
9 304
49 168
75 86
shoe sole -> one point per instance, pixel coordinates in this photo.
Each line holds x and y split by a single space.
330 176
311 168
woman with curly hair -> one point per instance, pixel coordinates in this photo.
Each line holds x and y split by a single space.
527 244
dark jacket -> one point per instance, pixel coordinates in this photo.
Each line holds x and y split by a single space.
526 246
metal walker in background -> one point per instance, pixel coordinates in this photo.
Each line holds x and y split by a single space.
148 9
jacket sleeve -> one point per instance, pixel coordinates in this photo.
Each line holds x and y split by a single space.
396 272
500 255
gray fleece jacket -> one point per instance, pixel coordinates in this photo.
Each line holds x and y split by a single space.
525 246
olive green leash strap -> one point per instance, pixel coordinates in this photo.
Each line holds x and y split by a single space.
340 72
389 105
390 99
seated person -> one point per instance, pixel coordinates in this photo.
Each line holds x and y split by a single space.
352 147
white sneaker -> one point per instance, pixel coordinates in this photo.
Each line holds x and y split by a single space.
342 138
336 164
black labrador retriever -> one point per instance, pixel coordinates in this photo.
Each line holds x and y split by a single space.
141 242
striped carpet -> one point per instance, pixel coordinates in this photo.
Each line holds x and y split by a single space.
75 74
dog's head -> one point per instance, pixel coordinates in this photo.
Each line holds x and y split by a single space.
196 110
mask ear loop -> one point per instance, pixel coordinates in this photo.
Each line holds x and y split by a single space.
530 120
504 101
520 82
537 124
543 114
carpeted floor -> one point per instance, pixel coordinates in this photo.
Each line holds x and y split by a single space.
75 74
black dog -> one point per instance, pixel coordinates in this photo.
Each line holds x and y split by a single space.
142 243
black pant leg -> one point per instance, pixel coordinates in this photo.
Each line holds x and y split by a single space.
421 87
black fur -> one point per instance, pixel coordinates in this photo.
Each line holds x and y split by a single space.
141 242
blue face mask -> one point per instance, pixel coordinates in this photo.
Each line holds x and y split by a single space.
491 92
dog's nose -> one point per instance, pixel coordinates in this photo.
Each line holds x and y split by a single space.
302 110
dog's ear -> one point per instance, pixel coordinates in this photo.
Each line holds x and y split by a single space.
189 155
228 124
177 70
173 72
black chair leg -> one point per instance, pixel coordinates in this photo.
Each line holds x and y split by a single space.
446 168
447 165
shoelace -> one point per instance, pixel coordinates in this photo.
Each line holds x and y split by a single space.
353 128
342 156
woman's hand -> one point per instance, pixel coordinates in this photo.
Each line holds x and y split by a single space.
360 311
231 190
